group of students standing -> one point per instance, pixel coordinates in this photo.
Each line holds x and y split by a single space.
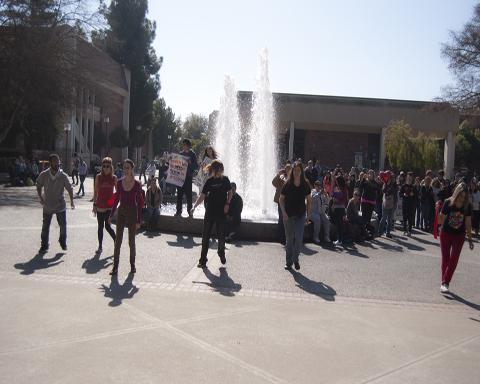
348 203
125 199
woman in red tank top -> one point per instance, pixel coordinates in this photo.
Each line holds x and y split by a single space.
105 183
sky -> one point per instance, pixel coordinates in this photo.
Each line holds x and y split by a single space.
363 48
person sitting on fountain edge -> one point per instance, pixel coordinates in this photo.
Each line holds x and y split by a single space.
218 194
234 215
186 189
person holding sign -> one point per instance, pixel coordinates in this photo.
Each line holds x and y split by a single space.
186 188
218 193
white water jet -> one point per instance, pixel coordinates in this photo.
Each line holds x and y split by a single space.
262 148
250 157
228 132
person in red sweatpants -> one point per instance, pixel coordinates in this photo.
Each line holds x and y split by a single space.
456 220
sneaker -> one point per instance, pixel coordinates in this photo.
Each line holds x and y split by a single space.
444 288
389 235
287 267
223 260
201 265
409 234
297 266
177 215
405 233
336 242
133 270
64 246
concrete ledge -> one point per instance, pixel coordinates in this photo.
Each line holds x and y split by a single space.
248 230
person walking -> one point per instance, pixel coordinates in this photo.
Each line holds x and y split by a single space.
456 221
419 220
320 201
143 169
154 199
186 189
338 203
129 200
278 182
475 197
82 172
389 190
427 200
408 194
295 203
103 198
217 192
53 181
75 165
368 191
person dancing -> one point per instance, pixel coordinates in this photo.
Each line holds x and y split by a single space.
456 220
217 192
103 198
129 196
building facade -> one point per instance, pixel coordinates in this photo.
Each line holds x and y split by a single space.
351 130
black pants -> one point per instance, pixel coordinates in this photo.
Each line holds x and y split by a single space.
367 210
74 174
82 188
408 211
62 222
102 220
337 218
187 191
208 224
281 229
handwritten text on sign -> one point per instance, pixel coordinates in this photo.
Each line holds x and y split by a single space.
177 170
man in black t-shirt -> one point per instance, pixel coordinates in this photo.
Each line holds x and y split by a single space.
217 192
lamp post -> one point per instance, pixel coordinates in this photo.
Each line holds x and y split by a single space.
138 128
106 121
169 138
66 128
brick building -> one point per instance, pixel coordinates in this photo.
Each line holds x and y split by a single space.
350 130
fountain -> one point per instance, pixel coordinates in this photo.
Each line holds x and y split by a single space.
250 155
248 151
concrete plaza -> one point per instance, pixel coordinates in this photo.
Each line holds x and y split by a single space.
368 314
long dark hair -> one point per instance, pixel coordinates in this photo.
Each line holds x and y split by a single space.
214 153
303 181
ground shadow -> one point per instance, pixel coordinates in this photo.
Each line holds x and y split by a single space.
95 264
39 262
406 244
222 284
308 251
471 318
453 296
316 288
118 292
242 243
184 241
387 246
151 234
352 249
423 241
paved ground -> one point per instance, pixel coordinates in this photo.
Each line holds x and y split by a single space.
372 313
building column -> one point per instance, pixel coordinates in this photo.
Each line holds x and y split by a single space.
92 126
381 164
126 110
291 140
449 155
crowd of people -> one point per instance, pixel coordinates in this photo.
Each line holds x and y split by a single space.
345 207
360 205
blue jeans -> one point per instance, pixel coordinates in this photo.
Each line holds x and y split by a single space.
387 217
152 215
294 228
62 222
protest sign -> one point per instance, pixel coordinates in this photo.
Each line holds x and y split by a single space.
177 170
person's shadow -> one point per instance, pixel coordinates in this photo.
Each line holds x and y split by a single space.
95 264
453 296
118 292
39 262
184 241
316 288
222 284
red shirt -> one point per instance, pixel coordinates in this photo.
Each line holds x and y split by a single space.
105 196
132 198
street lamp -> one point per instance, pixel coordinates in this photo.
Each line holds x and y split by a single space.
106 120
138 128
66 128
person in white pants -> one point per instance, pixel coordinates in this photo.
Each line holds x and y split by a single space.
319 217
